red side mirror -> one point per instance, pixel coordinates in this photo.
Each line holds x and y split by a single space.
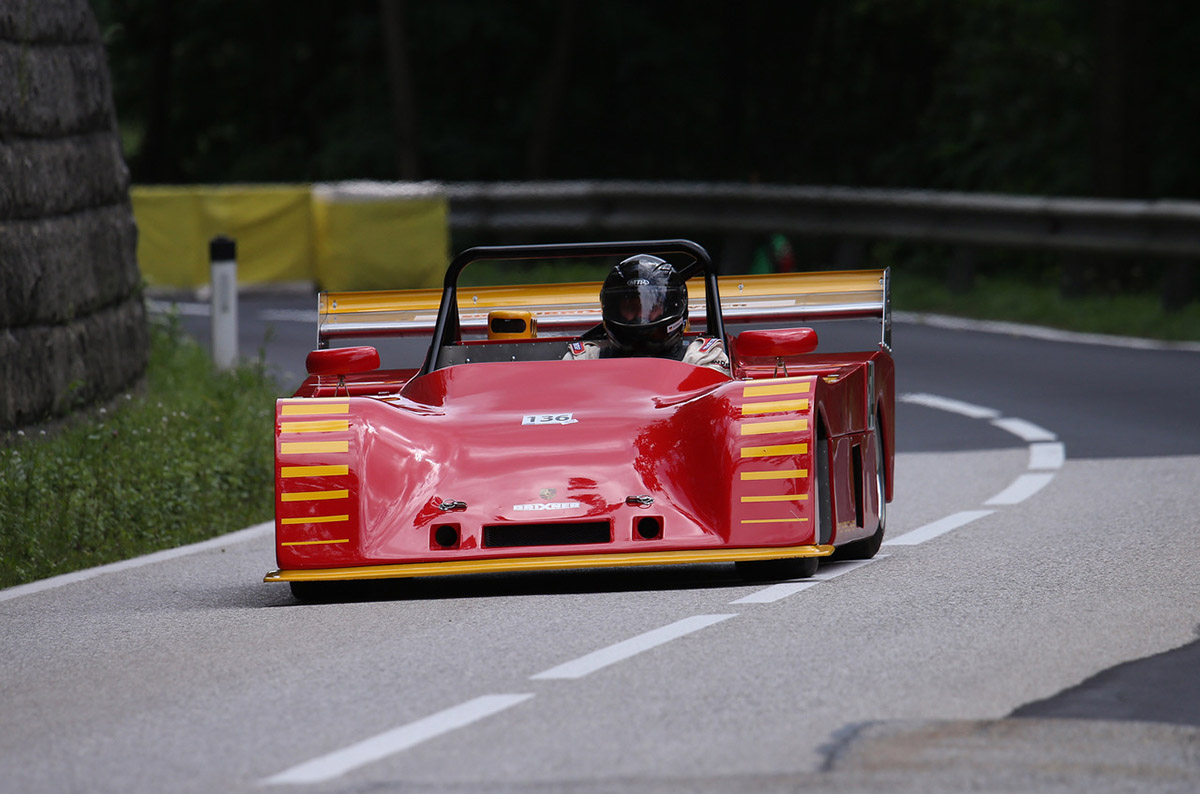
342 360
776 342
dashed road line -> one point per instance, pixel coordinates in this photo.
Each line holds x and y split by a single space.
1046 456
1026 431
775 592
1021 489
380 746
937 528
969 410
597 660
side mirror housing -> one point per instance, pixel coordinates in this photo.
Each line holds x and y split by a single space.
776 342
342 361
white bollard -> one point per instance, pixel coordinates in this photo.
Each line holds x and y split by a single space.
222 253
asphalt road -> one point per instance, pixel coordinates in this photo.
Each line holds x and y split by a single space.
1030 626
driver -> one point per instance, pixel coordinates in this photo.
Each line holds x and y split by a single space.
644 307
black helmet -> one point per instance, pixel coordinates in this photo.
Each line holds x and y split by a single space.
644 304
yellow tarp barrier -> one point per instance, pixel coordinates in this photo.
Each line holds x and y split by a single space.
371 236
355 236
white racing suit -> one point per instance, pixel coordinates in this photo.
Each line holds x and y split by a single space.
703 352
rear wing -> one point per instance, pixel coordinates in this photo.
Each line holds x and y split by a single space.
785 299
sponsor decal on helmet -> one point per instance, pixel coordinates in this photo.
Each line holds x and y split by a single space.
638 282
675 326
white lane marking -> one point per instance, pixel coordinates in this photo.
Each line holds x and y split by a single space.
939 527
1026 431
191 309
596 660
953 406
1047 455
289 316
775 592
250 533
1039 332
182 309
825 574
1021 489
338 763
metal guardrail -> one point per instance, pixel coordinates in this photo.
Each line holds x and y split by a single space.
1168 228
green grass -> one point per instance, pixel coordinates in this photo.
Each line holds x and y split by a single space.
188 457
991 298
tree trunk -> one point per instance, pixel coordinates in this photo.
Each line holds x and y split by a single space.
404 115
541 138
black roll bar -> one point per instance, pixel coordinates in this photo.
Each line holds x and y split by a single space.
447 327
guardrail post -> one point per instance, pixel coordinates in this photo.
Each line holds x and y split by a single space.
222 254
961 278
1179 284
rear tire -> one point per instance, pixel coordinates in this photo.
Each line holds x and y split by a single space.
867 548
318 592
776 570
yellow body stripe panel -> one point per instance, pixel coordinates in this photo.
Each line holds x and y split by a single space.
310 496
786 426
779 449
774 474
561 562
319 426
315 520
303 409
774 407
314 542
783 497
304 447
769 389
313 471
772 520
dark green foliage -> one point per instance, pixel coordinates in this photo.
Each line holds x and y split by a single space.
188 459
990 95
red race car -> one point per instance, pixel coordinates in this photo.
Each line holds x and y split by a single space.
537 436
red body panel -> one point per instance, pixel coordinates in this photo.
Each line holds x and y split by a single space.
727 463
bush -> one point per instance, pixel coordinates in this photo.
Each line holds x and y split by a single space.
188 457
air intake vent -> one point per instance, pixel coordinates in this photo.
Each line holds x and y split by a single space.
506 535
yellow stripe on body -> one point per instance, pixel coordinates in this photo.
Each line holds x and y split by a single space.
319 426
778 449
313 471
785 426
783 497
776 388
314 542
314 520
776 406
305 409
559 562
307 447
774 474
311 496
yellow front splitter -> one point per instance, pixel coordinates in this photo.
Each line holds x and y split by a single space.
558 563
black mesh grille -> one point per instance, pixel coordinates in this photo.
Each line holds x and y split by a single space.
505 535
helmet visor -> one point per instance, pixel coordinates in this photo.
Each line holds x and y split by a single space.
636 304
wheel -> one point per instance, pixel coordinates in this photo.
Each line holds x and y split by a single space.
800 567
322 592
775 570
867 548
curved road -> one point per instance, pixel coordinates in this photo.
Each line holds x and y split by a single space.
1040 566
